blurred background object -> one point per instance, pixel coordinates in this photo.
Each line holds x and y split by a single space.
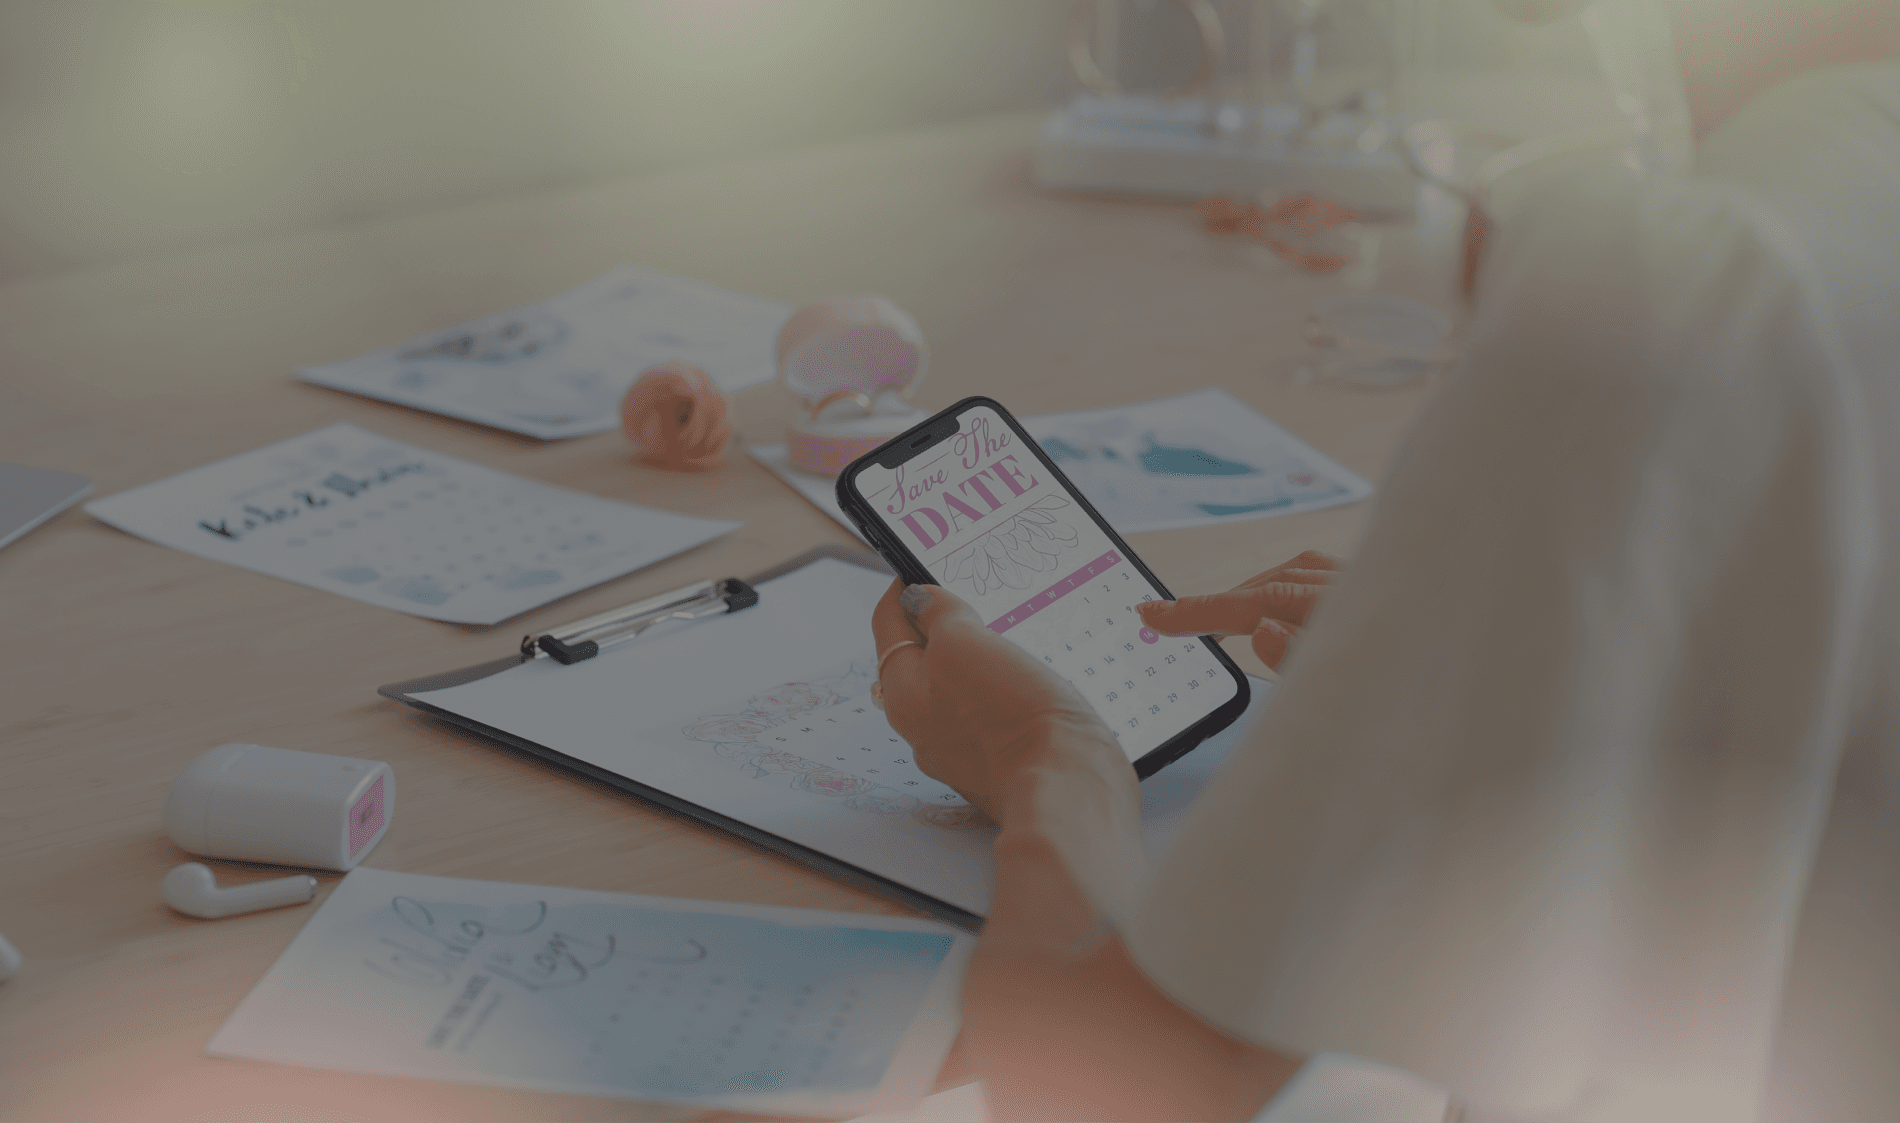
135 127
130 128
1197 97
1291 96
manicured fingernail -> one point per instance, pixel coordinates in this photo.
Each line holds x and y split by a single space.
914 598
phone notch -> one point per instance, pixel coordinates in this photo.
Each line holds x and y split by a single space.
904 449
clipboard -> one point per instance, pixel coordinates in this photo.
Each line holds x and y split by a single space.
405 692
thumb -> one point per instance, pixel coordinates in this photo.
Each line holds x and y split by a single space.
931 614
931 608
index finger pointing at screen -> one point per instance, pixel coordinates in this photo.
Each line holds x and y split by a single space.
1236 612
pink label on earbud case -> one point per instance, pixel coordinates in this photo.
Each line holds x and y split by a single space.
366 818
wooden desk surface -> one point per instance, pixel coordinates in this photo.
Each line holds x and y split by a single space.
124 660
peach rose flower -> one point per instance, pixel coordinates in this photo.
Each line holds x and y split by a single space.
677 417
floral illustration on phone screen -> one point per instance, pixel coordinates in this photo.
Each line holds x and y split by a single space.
1013 553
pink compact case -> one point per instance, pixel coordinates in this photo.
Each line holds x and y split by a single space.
853 361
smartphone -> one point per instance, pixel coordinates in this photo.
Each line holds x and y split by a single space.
968 501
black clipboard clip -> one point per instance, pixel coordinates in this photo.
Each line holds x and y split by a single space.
584 639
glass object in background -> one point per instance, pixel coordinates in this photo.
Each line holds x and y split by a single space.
1095 36
1490 173
1637 53
1451 156
1377 341
1193 98
1332 61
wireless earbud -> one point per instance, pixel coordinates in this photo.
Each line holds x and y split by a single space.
192 890
9 960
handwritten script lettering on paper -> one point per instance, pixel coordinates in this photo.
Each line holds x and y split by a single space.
349 487
753 1008
347 511
431 953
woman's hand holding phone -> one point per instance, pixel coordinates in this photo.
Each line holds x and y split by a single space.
1057 1017
967 500
977 710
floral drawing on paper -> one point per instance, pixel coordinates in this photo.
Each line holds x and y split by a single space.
773 736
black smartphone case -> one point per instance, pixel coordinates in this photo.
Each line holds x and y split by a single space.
940 426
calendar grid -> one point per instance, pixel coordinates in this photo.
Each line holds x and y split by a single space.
1024 573
1054 593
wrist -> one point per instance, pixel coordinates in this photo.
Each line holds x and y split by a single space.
1342 1086
1071 815
1059 761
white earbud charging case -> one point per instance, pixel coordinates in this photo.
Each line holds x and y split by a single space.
259 804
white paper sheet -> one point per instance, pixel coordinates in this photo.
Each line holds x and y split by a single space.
755 1009
821 490
1194 460
962 1104
347 511
29 496
764 715
558 368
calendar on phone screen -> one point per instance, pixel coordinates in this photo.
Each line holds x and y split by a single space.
991 522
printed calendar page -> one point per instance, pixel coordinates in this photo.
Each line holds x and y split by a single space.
755 1009
822 735
347 511
765 717
990 522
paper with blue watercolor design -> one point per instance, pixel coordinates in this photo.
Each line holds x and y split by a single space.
1194 460
786 1011
558 368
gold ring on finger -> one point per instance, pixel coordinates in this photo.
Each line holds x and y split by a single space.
885 656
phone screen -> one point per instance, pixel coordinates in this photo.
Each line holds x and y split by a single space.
994 523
